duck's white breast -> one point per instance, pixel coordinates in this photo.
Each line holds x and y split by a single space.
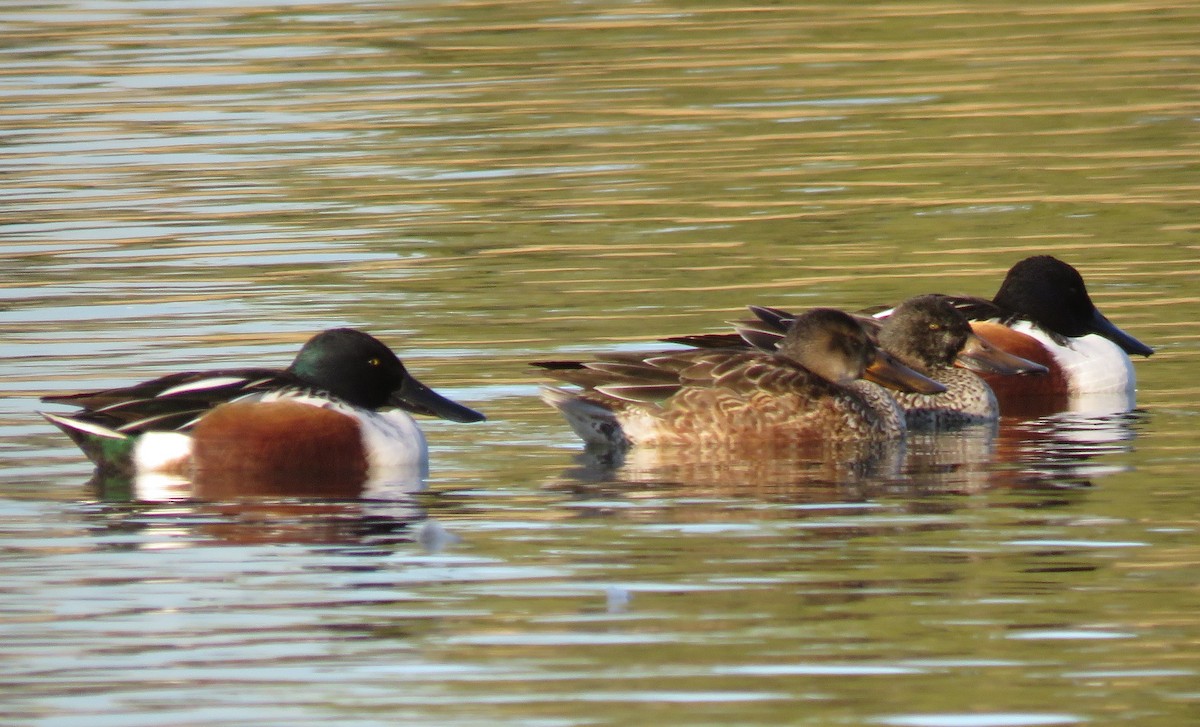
1092 364
396 447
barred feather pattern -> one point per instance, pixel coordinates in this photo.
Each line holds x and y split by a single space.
724 397
967 400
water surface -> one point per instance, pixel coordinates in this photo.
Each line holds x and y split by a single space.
195 185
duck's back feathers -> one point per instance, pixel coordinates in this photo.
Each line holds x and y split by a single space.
764 332
173 402
713 397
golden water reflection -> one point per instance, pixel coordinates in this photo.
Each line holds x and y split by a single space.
193 186
1064 451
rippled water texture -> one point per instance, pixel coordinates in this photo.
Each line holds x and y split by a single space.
196 185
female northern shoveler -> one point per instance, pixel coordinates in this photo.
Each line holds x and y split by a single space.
806 391
1043 313
320 416
927 334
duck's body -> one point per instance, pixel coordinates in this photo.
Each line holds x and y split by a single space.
925 333
1043 313
807 391
724 400
967 400
321 417
1080 366
930 335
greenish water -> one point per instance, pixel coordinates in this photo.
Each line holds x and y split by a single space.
196 185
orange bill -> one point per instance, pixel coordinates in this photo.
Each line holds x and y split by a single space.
885 370
979 355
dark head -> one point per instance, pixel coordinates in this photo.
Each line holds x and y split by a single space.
834 346
925 332
361 370
1048 292
1051 293
928 333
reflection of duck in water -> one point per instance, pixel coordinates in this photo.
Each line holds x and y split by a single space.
806 391
315 428
925 333
1061 450
818 471
1042 312
1056 452
364 527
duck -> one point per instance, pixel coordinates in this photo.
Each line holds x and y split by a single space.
1042 312
930 335
927 334
341 410
809 389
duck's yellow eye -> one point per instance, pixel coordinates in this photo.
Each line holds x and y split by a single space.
935 326
374 362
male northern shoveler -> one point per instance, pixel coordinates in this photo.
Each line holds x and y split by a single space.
806 391
320 416
927 334
1043 313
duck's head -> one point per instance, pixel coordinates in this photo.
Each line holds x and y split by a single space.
1052 294
927 333
359 369
835 346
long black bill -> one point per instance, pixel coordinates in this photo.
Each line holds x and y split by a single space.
1101 326
420 399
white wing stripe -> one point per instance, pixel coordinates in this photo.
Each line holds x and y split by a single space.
217 382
